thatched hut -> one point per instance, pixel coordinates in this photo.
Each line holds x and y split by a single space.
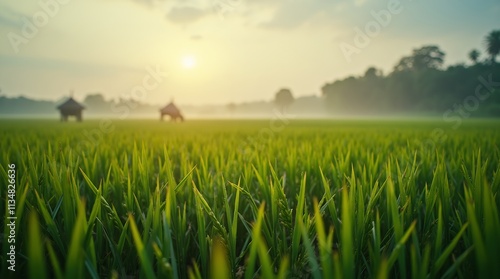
71 108
172 111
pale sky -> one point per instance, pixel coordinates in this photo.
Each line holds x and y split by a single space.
220 51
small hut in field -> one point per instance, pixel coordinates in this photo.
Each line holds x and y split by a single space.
172 111
71 108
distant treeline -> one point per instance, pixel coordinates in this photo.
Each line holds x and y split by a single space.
477 88
94 104
23 105
419 84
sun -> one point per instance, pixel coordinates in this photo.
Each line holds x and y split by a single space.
188 62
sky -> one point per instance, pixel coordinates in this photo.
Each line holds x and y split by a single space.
221 51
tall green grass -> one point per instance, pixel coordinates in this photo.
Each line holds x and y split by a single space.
321 199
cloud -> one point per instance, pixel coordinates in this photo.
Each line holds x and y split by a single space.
10 17
285 14
292 14
185 15
196 37
181 12
359 3
148 2
288 14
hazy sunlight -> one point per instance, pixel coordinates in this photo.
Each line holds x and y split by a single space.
188 62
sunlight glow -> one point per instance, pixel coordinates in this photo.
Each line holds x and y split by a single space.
188 62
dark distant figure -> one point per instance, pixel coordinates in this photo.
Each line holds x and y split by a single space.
172 111
71 108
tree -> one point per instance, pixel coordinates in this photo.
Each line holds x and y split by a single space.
426 57
474 55
493 44
96 102
96 98
283 99
373 72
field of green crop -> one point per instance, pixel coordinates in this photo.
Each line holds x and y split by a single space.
252 199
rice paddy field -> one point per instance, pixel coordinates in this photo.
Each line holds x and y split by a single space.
251 199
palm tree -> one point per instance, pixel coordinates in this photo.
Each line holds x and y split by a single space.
474 55
493 44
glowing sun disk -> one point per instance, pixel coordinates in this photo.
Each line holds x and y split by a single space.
188 62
